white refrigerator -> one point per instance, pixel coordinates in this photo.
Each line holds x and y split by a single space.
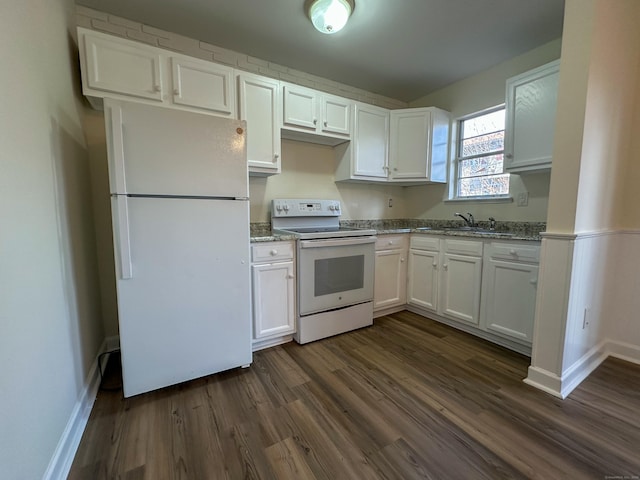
180 211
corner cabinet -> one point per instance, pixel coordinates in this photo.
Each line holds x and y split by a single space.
259 104
390 286
123 69
273 293
418 145
316 117
365 158
531 100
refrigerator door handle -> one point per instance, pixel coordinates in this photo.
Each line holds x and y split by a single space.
115 147
121 237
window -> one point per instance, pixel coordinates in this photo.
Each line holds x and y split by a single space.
479 165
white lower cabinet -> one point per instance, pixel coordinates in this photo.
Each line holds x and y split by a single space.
390 287
445 277
424 261
461 280
509 291
273 292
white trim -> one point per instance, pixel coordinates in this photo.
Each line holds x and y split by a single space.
485 199
544 380
270 342
558 236
582 368
63 456
624 351
561 387
389 310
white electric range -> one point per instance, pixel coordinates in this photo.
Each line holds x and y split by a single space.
335 267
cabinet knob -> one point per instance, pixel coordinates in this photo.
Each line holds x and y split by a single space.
290 276
390 242
401 260
156 88
276 156
395 169
445 266
533 281
176 92
325 123
513 252
273 252
315 121
509 155
434 265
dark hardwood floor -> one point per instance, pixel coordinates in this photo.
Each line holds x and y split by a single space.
407 398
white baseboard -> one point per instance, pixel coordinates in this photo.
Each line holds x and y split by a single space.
389 311
271 342
545 381
65 452
562 386
624 351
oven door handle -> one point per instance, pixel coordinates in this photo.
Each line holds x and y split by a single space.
337 242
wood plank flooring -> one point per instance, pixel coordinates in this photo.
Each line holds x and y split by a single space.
407 398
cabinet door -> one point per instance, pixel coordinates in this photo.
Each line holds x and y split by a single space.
509 300
300 107
531 118
120 66
409 142
336 115
260 106
370 142
423 279
390 288
204 85
461 281
273 299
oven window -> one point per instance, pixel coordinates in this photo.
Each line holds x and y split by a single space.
335 275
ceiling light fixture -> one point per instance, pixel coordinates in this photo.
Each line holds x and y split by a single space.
330 16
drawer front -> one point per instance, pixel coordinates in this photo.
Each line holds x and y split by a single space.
463 247
391 242
425 242
515 251
270 252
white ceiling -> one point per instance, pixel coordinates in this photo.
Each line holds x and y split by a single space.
403 49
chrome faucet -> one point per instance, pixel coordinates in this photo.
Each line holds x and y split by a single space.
492 223
469 221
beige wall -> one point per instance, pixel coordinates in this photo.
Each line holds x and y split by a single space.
481 91
608 129
572 96
49 297
308 170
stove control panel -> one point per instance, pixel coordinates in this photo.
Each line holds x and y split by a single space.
301 207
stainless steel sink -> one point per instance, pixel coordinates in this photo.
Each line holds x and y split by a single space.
479 231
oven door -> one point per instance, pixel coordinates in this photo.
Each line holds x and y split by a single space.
335 273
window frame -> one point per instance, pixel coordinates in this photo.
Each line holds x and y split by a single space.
456 143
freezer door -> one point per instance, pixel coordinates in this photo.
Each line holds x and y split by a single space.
161 151
184 299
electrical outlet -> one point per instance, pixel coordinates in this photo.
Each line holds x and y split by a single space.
390 202
523 199
585 319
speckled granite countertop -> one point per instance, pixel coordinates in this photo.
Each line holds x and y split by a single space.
526 231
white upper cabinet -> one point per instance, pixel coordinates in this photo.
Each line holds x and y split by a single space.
531 118
126 70
365 158
418 145
314 116
204 85
259 104
114 65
